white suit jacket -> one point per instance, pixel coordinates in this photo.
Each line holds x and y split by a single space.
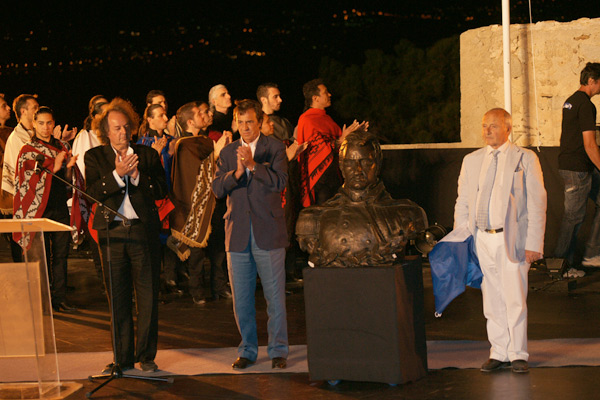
523 200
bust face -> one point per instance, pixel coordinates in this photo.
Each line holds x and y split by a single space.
359 167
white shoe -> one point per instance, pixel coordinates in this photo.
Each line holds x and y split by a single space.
591 261
574 273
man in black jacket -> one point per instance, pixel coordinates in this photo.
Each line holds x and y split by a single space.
128 178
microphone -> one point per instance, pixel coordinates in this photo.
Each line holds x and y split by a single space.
39 160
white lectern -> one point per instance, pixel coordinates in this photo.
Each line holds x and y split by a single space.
27 342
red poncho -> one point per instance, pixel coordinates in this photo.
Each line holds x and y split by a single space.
32 190
321 132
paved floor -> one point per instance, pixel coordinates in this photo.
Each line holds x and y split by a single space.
553 313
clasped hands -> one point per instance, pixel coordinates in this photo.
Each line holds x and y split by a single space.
223 141
127 165
61 157
244 160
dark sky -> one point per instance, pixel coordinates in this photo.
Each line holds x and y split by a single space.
67 54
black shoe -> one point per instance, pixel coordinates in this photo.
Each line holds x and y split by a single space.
223 294
172 287
241 363
493 365
63 307
148 366
108 369
279 363
520 366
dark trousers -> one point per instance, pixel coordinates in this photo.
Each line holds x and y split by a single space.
328 184
15 249
57 252
171 264
132 264
579 186
196 268
216 247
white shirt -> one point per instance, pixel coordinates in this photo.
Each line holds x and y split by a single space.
252 146
15 141
84 141
495 214
126 207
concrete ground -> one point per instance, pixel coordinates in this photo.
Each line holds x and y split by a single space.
554 312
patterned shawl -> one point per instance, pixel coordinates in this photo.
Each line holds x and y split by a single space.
313 163
192 176
32 190
321 132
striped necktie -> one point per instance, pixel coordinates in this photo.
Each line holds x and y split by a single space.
483 208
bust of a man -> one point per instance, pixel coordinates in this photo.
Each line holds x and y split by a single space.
361 225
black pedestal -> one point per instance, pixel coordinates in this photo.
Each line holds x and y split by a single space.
366 324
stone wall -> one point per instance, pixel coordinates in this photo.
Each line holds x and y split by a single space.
560 51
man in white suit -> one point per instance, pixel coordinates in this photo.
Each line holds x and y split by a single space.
502 200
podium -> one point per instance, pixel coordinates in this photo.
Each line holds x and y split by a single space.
366 323
28 358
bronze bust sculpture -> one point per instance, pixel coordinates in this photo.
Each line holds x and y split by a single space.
361 225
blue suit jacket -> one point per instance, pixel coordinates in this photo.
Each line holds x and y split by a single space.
523 200
253 199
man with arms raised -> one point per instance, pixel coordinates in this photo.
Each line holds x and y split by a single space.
128 179
39 195
252 173
194 222
319 172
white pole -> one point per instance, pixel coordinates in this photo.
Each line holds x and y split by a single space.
506 56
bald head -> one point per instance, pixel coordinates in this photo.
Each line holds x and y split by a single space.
496 127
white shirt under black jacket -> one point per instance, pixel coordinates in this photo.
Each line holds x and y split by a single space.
126 207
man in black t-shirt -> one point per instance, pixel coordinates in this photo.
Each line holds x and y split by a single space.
578 164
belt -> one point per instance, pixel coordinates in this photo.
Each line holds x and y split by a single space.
116 224
494 230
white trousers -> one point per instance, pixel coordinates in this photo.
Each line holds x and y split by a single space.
504 291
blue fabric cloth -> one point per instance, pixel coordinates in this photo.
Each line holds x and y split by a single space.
454 265
165 158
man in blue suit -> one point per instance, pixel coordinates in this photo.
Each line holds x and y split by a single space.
252 173
502 201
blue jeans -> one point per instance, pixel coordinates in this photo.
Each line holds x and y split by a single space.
243 267
578 187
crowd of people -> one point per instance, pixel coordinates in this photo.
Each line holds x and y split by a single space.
228 184
207 182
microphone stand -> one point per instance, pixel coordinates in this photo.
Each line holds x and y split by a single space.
116 371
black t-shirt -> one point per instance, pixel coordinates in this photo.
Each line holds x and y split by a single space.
579 115
221 122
